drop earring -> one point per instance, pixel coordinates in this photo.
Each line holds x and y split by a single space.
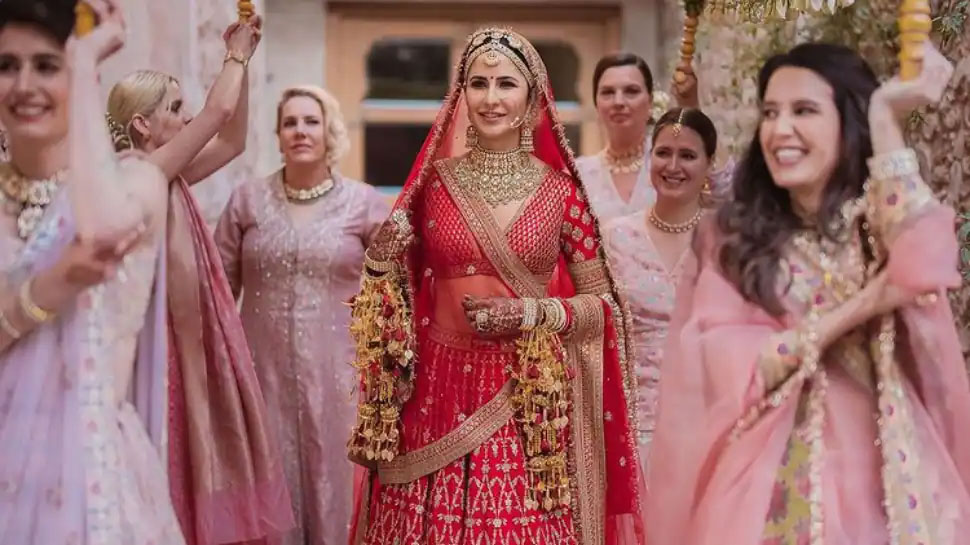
471 137
526 142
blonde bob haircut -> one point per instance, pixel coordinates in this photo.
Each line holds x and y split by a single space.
335 132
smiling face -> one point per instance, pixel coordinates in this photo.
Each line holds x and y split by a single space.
622 99
497 97
302 130
34 85
678 164
800 133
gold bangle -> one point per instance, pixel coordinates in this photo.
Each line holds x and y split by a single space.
8 327
230 56
378 266
530 314
29 307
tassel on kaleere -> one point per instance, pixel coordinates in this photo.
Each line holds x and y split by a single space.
541 403
382 329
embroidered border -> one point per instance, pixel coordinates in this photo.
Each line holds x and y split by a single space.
486 421
590 276
589 479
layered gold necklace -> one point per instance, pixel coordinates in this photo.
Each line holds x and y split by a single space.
498 177
625 162
27 199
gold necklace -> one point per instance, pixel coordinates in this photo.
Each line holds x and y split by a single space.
498 177
625 162
674 228
306 195
26 199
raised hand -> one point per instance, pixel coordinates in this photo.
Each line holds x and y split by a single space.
685 89
242 38
902 97
108 35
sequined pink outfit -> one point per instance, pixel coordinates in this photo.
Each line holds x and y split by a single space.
295 281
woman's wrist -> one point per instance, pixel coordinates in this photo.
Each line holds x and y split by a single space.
884 128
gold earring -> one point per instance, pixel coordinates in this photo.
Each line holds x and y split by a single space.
526 142
706 190
471 137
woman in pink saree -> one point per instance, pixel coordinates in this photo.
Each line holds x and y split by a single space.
225 471
813 389
76 463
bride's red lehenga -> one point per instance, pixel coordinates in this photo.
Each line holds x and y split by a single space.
460 471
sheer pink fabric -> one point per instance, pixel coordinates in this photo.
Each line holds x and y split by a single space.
708 489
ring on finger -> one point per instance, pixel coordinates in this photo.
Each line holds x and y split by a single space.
481 320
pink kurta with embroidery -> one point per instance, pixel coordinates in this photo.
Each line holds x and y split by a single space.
295 281
650 291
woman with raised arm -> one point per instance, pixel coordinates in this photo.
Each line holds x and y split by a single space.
813 388
224 468
651 248
490 339
76 463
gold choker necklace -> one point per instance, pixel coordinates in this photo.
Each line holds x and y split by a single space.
625 162
26 199
674 228
498 177
307 195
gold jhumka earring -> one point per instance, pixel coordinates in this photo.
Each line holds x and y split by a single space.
471 137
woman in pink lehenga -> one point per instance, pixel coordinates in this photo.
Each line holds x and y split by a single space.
76 464
225 472
813 389
651 249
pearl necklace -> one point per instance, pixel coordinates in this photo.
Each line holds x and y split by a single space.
27 199
674 228
307 195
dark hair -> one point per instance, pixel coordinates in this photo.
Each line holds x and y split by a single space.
53 17
621 59
758 221
694 119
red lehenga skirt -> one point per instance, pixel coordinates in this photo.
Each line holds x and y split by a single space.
478 498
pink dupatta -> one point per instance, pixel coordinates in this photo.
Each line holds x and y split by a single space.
231 468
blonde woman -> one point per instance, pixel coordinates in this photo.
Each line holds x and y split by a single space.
293 244
225 476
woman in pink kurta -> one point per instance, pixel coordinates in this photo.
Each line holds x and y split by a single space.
650 249
293 245
813 389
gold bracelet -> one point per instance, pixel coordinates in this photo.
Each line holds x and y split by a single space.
894 164
8 328
378 266
29 307
230 56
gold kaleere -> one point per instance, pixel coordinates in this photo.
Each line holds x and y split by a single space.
383 333
541 401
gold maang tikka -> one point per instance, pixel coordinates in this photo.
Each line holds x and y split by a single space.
679 124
